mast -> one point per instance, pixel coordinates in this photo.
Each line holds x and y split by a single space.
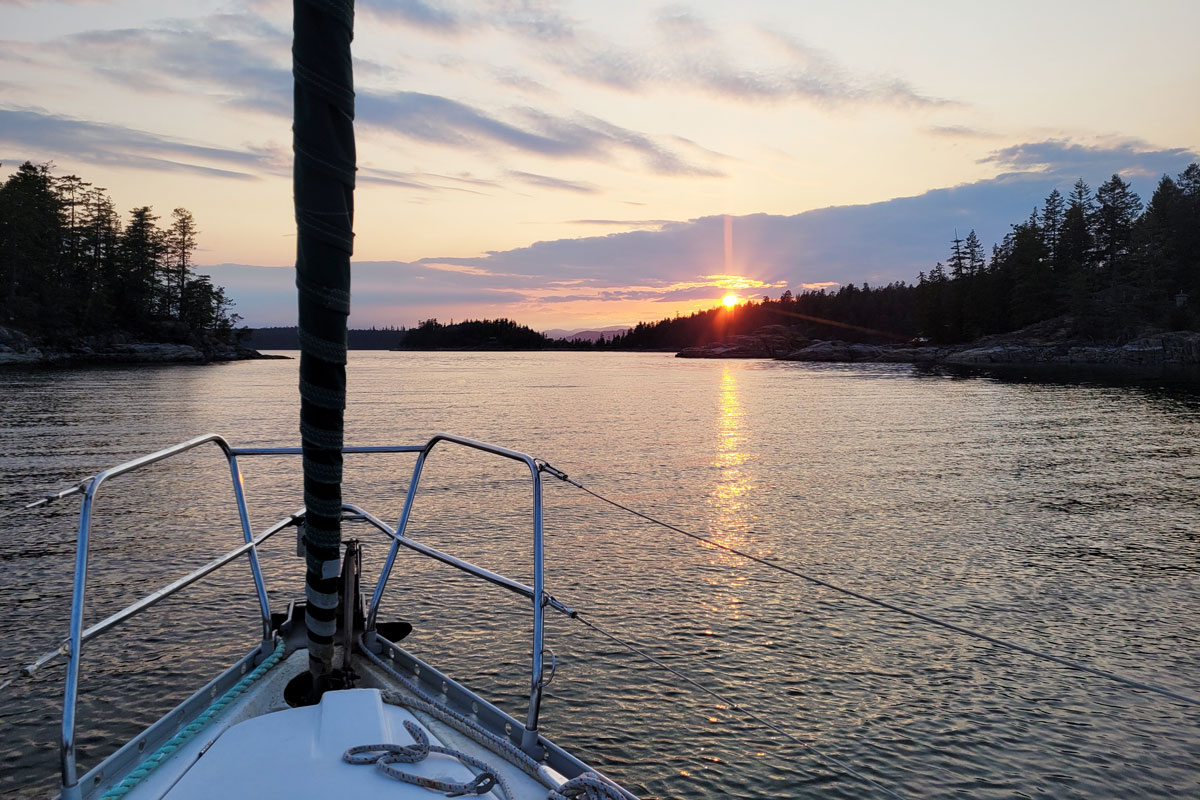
323 184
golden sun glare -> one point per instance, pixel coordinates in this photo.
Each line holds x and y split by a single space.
729 300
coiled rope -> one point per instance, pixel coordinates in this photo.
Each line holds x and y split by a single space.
587 786
198 724
1173 694
383 756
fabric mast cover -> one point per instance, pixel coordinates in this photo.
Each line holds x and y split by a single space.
323 179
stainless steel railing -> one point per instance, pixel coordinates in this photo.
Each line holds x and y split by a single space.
529 737
538 595
77 636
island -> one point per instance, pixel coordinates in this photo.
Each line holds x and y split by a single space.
80 285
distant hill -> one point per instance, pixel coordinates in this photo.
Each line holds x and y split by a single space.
357 338
502 334
589 335
472 334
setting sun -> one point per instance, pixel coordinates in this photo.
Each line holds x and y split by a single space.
730 300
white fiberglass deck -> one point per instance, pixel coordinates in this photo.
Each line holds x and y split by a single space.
297 753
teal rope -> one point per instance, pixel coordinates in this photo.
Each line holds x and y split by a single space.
184 736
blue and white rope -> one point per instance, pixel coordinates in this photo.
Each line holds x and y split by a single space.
198 724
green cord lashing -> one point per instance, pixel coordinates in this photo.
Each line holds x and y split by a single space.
195 726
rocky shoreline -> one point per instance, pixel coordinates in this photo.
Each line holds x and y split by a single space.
1033 346
18 350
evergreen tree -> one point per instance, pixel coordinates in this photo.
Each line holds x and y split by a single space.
973 294
958 258
1076 258
179 244
31 235
141 247
72 197
1157 269
1076 240
974 254
1117 210
931 304
1187 234
100 232
1033 289
204 308
1053 218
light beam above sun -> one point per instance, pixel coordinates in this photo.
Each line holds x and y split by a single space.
730 300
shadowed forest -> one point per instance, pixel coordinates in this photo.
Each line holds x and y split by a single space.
486 334
70 268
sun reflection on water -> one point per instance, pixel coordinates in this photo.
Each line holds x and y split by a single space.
730 516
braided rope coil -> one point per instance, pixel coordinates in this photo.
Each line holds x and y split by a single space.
383 756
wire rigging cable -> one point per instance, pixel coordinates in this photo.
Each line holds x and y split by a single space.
832 760
48 499
941 623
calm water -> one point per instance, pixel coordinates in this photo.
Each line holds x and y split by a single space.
1061 515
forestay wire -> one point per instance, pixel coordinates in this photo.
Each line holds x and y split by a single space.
941 623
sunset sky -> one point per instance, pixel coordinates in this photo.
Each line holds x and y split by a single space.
576 164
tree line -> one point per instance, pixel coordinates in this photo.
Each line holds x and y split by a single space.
70 267
880 315
1102 261
288 338
472 334
1110 263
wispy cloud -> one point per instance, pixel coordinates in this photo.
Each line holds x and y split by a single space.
1064 158
32 130
960 132
243 61
433 118
529 19
536 20
415 180
32 3
690 54
465 270
815 75
679 23
414 12
548 182
678 49
514 79
621 223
